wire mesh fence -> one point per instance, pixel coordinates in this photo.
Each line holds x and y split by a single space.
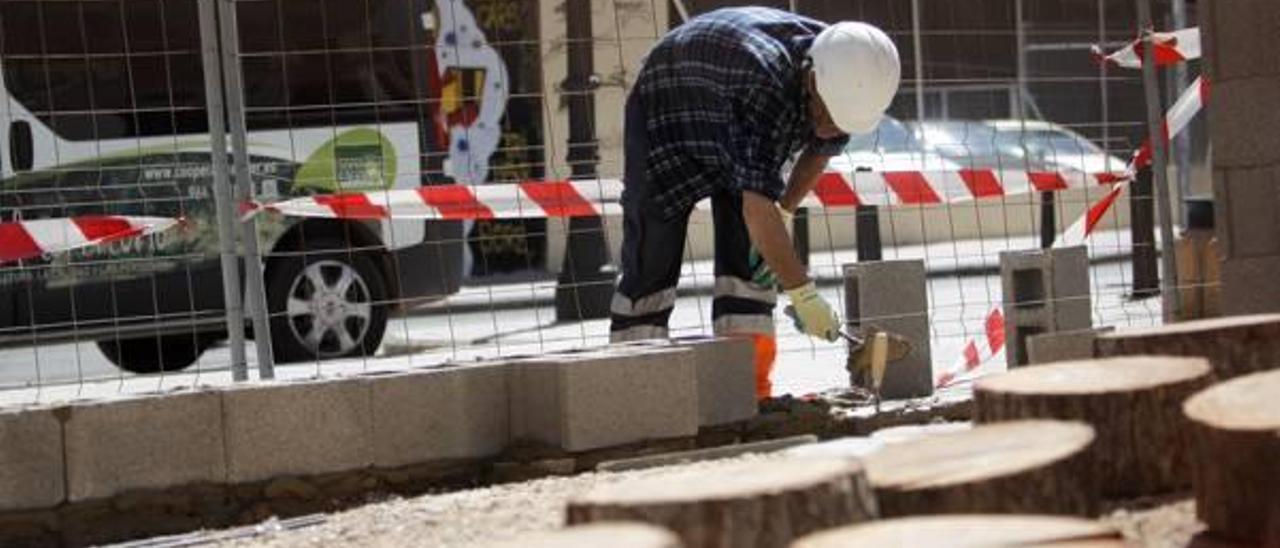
482 109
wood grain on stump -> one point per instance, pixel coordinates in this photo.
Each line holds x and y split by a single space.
765 503
1236 457
1015 467
1133 403
595 535
1234 346
970 531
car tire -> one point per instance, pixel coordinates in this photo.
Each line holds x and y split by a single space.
326 305
157 354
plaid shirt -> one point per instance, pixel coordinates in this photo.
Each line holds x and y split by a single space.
726 106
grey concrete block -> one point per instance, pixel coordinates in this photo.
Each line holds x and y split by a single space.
297 429
1063 345
726 371
153 442
1251 201
31 459
438 414
1242 122
1044 291
891 295
1233 35
605 397
1248 285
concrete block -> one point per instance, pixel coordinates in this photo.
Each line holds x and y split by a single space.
1044 291
31 459
297 429
1233 36
726 376
1248 285
1251 202
153 442
437 414
606 397
1063 345
1243 117
891 295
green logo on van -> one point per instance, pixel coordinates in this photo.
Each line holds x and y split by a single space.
356 160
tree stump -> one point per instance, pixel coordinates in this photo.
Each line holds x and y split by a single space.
1016 467
1235 428
1234 346
595 535
975 531
1133 403
767 503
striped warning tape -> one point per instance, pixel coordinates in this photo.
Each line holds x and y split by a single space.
1177 119
592 198
21 240
1171 48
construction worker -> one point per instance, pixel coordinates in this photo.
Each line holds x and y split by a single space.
720 105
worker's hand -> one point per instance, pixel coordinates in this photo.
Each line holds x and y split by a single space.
812 314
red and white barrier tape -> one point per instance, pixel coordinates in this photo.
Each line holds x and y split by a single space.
978 351
1177 119
1171 48
541 199
21 240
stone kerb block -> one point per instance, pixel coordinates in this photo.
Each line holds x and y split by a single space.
1232 35
31 463
1044 291
457 412
725 368
605 397
294 429
1242 122
153 442
891 295
1063 345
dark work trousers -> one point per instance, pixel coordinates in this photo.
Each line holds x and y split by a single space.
653 250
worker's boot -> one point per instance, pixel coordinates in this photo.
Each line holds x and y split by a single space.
859 361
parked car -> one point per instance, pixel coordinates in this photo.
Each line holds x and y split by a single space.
1015 144
891 147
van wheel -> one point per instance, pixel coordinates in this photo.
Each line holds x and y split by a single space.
158 353
327 304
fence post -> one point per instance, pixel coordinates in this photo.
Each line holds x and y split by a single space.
584 288
1142 232
224 203
255 295
867 233
800 234
1159 165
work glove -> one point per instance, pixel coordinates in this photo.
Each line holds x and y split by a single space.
761 275
812 314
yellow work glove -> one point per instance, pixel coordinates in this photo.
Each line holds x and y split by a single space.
812 314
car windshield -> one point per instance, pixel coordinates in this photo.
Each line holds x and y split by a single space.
1048 143
960 140
890 136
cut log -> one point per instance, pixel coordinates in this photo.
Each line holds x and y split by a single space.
595 535
1133 403
1236 457
766 503
974 531
1234 346
1018 467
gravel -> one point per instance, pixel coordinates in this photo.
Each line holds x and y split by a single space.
476 517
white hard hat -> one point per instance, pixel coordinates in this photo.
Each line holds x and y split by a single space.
857 71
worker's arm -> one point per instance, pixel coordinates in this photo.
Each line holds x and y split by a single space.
770 238
804 176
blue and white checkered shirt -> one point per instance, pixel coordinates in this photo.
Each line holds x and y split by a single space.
726 106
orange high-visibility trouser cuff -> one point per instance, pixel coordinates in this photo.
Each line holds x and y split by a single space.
766 353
